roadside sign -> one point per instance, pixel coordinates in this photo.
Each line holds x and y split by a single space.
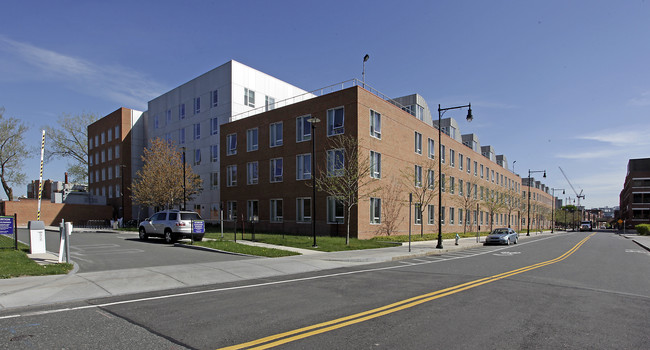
6 225
198 226
620 221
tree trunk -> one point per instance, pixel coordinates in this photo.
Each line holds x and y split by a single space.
347 234
8 190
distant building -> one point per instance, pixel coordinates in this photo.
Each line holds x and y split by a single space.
635 196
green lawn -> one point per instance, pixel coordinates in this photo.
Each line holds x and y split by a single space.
15 263
415 236
230 246
325 244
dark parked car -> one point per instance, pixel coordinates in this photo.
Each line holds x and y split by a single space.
502 236
171 225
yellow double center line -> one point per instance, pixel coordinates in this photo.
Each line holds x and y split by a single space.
286 337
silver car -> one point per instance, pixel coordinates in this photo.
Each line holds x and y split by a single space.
502 236
173 225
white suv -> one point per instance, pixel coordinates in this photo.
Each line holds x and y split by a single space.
173 225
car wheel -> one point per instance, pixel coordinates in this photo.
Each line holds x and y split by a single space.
508 241
516 240
169 237
143 234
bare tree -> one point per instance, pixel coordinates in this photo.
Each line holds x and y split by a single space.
512 202
347 176
12 153
392 204
69 140
160 181
493 202
467 201
422 182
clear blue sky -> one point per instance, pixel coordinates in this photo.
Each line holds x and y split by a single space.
552 83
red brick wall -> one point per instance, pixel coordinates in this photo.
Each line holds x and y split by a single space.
52 213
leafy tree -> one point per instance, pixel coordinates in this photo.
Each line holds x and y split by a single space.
12 153
160 181
423 187
69 140
347 176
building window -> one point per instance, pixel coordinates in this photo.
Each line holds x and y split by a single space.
215 98
452 184
431 209
110 135
103 135
442 153
431 179
452 157
335 121
481 171
156 125
303 129
303 166
469 163
460 161
110 173
475 168
103 156
214 153
252 210
103 174
335 162
375 210
375 165
96 158
418 143
117 151
276 210
214 126
90 160
197 156
418 176
303 209
276 170
231 175
214 180
117 171
110 191
249 97
252 176
181 111
460 216
197 105
90 143
197 131
460 187
442 215
96 140
118 194
275 132
231 141
251 140
451 216
442 183
231 210
417 213
110 154
335 211
269 103
181 136
432 149
375 124
168 119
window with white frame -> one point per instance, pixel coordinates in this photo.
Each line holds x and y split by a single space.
231 143
231 210
475 168
417 176
197 156
251 140
303 166
276 210
181 111
276 170
181 136
460 216
197 105
442 215
375 165
432 149
452 185
375 124
275 134
418 143
375 210
442 183
249 97
303 128
214 126
335 211
417 213
303 209
168 119
335 162
335 121
452 157
460 161
231 175
431 179
469 163
197 131
214 153
442 153
215 98
214 180
431 210
252 210
269 103
481 171
252 174
452 215
460 187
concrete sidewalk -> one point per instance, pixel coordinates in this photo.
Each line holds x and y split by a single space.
28 291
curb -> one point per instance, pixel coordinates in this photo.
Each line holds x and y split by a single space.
641 245
198 247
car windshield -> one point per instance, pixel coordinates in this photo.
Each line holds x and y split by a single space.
190 216
499 232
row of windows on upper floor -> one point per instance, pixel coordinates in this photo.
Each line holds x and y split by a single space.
103 137
107 191
249 100
106 174
99 157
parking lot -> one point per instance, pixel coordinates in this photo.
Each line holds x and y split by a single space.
114 251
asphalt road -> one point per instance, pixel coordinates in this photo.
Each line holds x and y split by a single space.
114 251
559 292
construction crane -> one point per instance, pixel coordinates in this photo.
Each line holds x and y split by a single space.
578 195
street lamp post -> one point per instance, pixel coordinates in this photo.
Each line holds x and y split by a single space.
363 73
312 121
553 206
442 111
528 220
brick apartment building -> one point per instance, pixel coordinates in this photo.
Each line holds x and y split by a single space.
635 196
115 144
266 168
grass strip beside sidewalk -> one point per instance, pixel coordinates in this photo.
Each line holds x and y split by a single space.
325 243
15 263
230 246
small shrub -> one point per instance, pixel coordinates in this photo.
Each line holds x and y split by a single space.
643 229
